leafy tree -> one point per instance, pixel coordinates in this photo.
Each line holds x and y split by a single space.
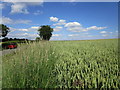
45 32
3 30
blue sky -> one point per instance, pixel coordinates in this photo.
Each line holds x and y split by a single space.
70 20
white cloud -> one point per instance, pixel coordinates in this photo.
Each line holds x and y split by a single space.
61 22
20 21
23 29
75 29
57 28
23 35
72 24
78 28
80 35
35 27
53 19
29 33
19 8
95 28
31 29
7 20
111 32
38 12
72 35
105 35
56 35
103 32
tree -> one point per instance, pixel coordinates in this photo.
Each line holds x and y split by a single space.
45 32
3 30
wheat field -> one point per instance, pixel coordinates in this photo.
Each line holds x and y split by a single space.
63 64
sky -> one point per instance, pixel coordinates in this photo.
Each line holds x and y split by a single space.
69 20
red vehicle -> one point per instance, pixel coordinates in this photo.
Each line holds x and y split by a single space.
10 46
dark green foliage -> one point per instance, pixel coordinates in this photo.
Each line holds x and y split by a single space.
45 32
3 30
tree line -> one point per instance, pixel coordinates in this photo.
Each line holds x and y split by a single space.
45 32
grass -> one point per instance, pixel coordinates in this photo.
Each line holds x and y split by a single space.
63 64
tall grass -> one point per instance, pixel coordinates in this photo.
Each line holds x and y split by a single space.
29 67
63 64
